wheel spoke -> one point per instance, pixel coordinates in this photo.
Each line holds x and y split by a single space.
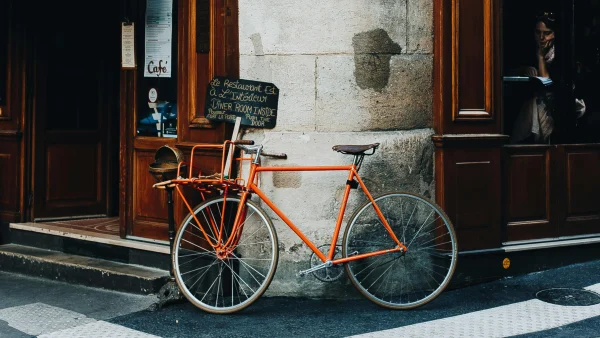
246 265
225 285
404 279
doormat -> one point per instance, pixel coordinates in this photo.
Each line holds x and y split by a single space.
105 225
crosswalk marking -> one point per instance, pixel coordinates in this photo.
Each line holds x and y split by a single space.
40 318
99 329
46 321
43 320
503 321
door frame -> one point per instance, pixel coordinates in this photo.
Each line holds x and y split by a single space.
33 98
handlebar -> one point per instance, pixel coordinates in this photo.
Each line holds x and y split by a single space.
275 155
255 148
247 142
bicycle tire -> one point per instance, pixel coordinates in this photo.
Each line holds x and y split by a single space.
230 284
401 280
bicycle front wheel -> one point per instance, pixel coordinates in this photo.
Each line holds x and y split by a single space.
401 280
225 283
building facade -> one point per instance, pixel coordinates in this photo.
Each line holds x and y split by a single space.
350 72
428 80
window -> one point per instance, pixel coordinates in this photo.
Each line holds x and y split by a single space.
555 100
159 121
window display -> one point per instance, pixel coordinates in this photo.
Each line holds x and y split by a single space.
551 59
160 122
157 93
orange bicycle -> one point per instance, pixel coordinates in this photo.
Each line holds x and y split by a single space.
399 249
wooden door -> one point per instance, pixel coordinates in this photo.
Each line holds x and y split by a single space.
76 90
205 44
551 189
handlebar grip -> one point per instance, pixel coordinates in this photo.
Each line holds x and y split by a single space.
277 155
247 142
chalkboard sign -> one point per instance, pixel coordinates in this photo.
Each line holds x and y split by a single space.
255 102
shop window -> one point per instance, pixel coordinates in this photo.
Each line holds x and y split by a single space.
157 69
551 63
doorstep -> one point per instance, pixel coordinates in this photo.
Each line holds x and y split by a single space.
91 244
86 257
81 270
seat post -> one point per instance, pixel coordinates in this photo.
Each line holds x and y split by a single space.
358 159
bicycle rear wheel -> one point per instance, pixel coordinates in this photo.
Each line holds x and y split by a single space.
401 280
228 284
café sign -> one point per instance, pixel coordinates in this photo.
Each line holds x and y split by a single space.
253 101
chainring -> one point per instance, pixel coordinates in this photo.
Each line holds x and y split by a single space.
329 274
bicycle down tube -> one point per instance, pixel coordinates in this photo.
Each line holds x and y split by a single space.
253 188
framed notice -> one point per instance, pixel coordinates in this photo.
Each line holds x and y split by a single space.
127 45
158 38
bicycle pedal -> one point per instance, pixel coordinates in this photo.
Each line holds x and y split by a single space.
315 268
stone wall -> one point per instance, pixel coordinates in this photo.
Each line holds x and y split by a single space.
349 72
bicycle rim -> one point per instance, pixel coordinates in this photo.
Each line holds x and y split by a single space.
401 280
225 285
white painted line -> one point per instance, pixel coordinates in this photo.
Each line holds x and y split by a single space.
595 288
503 321
40 318
43 320
99 329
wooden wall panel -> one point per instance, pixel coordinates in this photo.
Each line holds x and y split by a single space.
472 194
467 77
583 175
472 62
149 209
468 178
527 187
582 187
528 190
151 204
9 178
73 182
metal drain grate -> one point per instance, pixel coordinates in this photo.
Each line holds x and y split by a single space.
568 297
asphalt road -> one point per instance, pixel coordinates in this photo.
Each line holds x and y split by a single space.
500 308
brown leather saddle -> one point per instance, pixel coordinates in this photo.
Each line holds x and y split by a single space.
356 149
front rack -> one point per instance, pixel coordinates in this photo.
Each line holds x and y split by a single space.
212 183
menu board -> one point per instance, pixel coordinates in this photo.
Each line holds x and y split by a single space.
255 102
159 31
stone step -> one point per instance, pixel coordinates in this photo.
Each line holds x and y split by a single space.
92 244
83 270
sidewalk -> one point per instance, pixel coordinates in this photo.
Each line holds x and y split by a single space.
31 306
497 309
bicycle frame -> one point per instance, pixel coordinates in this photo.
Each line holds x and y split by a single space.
227 232
251 187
